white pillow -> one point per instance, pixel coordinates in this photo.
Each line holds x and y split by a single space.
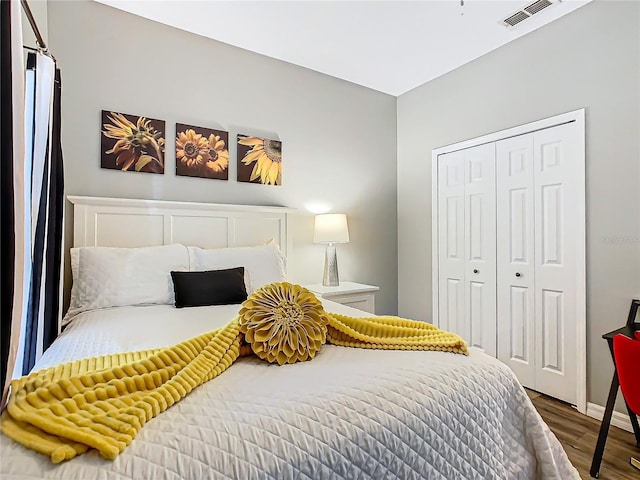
263 264
116 277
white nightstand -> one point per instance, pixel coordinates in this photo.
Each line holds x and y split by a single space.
356 295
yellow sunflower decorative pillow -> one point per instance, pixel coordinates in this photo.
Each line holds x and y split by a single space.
283 323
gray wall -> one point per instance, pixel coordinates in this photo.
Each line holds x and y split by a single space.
589 58
339 139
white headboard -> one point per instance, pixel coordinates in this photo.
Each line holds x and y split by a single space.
120 222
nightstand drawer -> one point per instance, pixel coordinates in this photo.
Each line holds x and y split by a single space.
364 301
355 295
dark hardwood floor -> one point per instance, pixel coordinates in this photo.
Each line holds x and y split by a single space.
578 434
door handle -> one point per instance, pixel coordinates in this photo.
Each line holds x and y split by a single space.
475 270
518 274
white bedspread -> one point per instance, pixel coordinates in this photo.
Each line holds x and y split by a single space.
349 413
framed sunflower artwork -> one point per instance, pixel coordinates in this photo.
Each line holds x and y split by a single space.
132 143
259 160
202 152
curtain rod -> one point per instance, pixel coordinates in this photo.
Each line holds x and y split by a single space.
40 50
34 25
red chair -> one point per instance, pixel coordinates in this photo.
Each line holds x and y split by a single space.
626 352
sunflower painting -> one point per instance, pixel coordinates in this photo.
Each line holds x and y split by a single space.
202 152
132 143
259 160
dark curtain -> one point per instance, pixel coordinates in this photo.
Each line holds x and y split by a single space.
7 217
55 226
47 193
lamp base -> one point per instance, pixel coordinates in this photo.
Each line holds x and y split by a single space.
330 278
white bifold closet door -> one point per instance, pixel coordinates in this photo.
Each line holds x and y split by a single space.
537 214
467 245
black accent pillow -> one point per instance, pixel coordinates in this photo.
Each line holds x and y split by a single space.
211 287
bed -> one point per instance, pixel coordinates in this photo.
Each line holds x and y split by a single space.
348 413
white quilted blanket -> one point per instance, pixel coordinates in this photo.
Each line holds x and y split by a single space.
348 414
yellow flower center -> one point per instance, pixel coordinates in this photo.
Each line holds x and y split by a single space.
288 313
273 150
213 154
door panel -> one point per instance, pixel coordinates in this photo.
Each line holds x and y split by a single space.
479 329
519 316
454 312
551 216
552 330
515 255
519 203
451 241
556 214
477 320
454 228
476 245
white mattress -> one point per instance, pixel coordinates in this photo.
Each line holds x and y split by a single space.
349 413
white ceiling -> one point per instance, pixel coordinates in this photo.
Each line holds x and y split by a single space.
390 46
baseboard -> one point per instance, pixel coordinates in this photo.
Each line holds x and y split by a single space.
618 419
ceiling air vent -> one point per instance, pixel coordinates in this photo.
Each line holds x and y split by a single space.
535 7
526 12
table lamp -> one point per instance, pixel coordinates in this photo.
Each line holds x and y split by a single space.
331 228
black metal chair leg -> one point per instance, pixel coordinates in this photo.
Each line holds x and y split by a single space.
634 423
604 427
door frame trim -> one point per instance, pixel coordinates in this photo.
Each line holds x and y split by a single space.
577 116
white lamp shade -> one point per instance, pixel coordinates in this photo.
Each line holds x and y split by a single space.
331 228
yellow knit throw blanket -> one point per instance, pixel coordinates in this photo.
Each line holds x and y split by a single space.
102 402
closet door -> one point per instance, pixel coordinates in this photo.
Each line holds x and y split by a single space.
557 213
467 245
451 254
537 228
480 248
515 256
